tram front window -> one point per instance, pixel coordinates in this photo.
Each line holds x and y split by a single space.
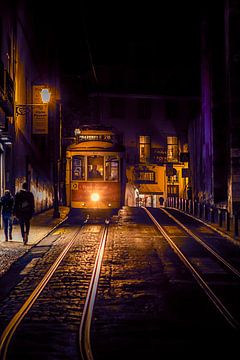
95 167
112 168
78 166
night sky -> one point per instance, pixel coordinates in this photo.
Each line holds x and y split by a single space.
161 35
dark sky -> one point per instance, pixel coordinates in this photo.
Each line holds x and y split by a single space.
160 34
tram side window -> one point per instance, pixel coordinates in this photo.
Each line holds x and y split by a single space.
112 168
78 168
95 167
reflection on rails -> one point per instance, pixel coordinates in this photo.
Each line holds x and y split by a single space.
34 297
227 311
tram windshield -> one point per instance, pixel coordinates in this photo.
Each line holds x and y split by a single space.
112 168
95 167
78 167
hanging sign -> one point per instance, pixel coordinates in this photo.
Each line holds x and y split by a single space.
40 112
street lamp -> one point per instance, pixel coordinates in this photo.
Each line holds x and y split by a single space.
23 109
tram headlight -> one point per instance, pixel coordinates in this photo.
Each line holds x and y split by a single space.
95 197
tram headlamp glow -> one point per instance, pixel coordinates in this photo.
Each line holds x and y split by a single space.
95 197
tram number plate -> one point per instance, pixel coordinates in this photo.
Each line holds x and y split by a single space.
74 186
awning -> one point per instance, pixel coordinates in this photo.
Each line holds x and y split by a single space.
150 189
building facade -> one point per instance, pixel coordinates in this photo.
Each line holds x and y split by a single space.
155 131
25 130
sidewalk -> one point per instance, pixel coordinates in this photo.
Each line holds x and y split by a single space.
230 235
41 224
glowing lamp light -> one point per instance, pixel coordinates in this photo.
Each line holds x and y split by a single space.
95 197
45 95
109 205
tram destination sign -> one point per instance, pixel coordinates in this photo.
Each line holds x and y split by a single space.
158 155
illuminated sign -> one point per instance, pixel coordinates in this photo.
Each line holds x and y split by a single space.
158 155
40 112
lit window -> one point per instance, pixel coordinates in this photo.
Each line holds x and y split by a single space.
95 167
144 149
112 168
78 167
172 149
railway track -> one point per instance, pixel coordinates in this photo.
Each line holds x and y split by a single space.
213 286
165 283
65 294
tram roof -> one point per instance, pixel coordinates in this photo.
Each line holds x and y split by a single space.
96 146
96 129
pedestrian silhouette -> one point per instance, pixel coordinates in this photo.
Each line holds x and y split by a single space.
161 201
94 173
24 210
7 204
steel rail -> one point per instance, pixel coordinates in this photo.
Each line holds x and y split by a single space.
85 325
18 317
213 252
215 300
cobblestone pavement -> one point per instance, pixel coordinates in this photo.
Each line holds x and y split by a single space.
147 300
41 224
148 304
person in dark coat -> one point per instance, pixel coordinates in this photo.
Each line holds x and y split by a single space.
7 203
24 210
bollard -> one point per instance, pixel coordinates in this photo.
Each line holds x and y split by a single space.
236 225
204 211
228 220
190 206
220 217
199 210
195 207
211 215
175 202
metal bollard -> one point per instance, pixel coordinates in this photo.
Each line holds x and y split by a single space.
211 215
204 211
228 220
235 225
220 217
199 210
190 206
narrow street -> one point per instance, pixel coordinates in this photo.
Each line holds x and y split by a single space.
147 301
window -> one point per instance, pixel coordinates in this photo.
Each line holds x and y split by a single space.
173 190
78 167
146 176
172 149
173 178
95 167
112 168
144 149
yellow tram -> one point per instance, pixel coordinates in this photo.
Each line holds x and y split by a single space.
94 169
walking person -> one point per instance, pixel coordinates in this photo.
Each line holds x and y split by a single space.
7 204
24 210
